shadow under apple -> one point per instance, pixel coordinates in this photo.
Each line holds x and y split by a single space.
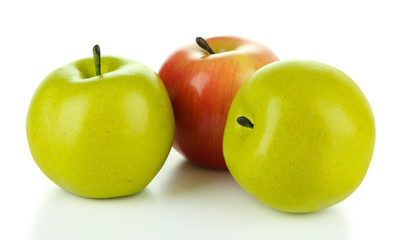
188 178
63 215
186 202
210 203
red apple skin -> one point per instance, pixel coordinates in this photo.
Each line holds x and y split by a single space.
202 86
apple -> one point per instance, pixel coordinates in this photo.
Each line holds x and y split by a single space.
101 131
202 79
299 136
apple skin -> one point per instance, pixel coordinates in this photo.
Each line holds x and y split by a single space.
201 88
312 139
101 136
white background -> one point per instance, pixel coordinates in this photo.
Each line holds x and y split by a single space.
362 38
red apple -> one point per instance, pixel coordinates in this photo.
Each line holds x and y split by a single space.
202 81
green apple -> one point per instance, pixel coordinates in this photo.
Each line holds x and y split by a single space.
299 136
101 131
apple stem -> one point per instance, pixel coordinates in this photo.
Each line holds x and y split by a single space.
96 58
203 44
245 122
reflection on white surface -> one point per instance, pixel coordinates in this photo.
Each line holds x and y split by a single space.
184 202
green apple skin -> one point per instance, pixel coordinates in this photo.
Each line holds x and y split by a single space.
312 139
101 136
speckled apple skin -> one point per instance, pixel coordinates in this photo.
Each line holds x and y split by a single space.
313 136
202 86
101 136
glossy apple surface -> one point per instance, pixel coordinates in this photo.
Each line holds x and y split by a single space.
201 87
300 136
101 136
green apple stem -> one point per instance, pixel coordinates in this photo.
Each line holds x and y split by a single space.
96 58
203 44
245 122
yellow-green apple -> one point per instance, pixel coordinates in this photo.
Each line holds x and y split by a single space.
299 136
101 131
202 80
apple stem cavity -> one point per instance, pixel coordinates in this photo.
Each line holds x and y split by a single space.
96 58
203 44
245 122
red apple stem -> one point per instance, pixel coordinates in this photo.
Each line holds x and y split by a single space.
203 44
96 58
245 122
